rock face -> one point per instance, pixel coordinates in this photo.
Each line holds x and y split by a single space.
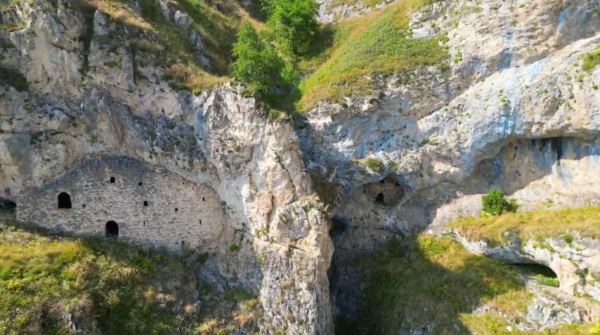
576 264
514 111
217 174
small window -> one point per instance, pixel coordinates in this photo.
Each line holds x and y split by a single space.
202 199
64 200
112 180
200 221
145 203
182 243
112 229
83 206
140 183
144 223
176 209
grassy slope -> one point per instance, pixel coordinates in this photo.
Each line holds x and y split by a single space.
110 288
531 225
439 283
377 43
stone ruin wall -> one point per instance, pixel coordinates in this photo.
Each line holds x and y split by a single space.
179 214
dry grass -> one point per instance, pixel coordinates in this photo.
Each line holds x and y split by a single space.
377 43
436 283
531 225
109 287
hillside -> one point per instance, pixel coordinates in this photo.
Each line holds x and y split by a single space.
299 166
56 285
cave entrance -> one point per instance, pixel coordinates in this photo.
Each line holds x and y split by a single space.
64 200
379 198
338 226
112 229
544 274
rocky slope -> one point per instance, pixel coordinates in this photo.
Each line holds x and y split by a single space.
92 90
515 109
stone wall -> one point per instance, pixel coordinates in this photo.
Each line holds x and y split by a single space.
151 206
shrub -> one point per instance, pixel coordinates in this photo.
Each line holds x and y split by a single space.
568 239
373 164
495 203
293 23
550 282
258 64
13 78
591 60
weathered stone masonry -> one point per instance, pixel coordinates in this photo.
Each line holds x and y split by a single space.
150 205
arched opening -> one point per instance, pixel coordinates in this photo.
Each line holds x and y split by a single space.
145 203
338 226
64 200
112 180
379 198
112 229
544 274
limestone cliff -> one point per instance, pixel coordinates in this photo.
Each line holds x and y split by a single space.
514 109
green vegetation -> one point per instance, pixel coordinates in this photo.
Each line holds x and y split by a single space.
258 64
217 21
109 288
366 3
550 282
377 43
537 225
494 203
374 164
591 60
13 78
438 283
293 23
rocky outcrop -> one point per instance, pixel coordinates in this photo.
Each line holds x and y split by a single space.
95 90
575 261
513 110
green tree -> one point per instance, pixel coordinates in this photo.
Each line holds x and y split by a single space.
495 203
293 23
258 64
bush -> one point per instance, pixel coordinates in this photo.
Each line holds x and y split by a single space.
13 78
495 203
374 164
258 64
550 282
293 23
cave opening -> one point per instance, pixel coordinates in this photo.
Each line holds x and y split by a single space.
7 204
379 198
64 201
112 229
543 273
338 227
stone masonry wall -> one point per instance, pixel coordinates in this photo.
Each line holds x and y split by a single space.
179 214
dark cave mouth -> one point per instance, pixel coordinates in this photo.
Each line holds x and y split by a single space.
543 273
338 227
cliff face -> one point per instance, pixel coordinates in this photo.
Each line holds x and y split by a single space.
93 91
515 109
